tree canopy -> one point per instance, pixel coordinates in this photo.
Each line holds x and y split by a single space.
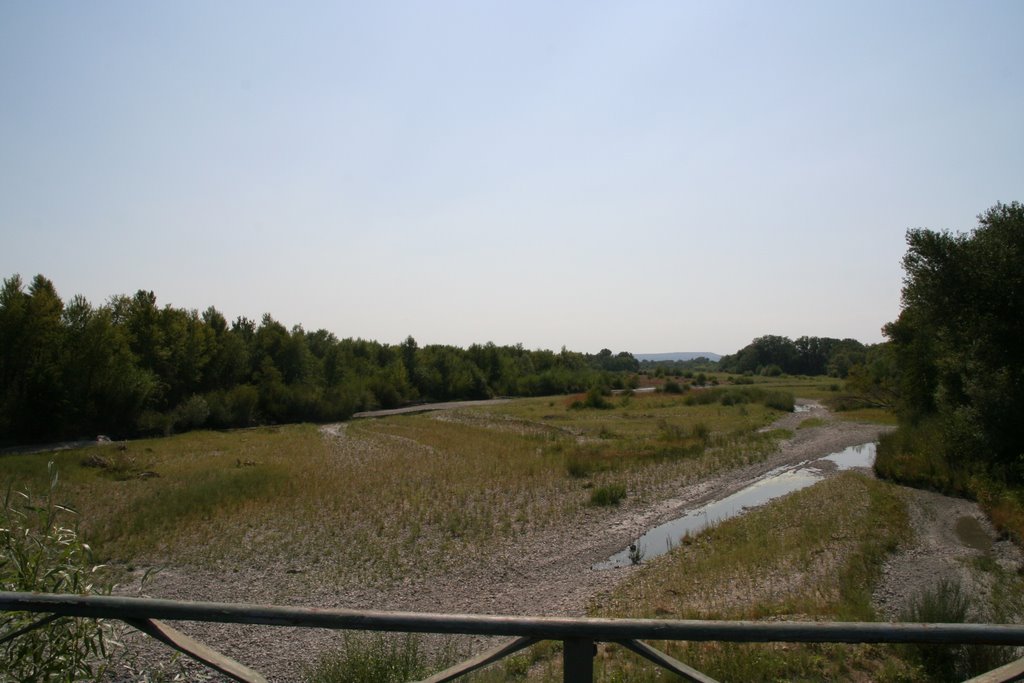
773 354
132 367
959 340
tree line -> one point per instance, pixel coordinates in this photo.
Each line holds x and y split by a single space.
131 367
956 360
776 355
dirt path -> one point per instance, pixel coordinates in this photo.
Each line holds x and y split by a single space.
543 573
427 407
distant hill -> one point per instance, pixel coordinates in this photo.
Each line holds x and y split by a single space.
679 355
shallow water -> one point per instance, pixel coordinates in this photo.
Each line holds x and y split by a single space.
971 534
773 484
862 455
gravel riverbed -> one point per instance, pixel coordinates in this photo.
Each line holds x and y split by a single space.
542 573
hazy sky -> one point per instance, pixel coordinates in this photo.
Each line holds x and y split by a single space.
642 176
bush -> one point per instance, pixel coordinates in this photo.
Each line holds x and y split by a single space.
155 422
607 495
594 399
191 413
915 455
779 400
948 603
39 553
379 658
672 387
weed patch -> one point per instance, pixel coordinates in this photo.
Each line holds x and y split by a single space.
948 603
377 658
609 494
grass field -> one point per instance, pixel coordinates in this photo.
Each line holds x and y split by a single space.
389 496
382 500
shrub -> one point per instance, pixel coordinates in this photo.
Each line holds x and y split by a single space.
380 658
779 400
915 455
242 401
672 387
38 552
607 495
948 603
595 399
155 422
191 413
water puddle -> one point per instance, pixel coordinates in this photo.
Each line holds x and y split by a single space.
854 456
802 408
773 484
970 533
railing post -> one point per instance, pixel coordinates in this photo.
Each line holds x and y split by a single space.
578 660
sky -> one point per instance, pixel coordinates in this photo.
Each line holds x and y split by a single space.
642 176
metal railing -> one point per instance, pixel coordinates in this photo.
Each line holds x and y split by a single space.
579 636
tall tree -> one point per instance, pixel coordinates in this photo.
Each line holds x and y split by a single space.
958 339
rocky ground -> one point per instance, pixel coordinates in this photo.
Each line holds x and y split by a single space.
547 573
953 541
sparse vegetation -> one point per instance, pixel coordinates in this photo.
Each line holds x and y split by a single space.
433 479
747 568
948 603
445 485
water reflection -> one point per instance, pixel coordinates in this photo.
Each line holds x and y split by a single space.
775 483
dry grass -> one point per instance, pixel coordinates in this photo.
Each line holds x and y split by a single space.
784 561
387 498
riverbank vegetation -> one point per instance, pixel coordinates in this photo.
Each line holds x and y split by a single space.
130 367
430 481
783 561
774 355
958 366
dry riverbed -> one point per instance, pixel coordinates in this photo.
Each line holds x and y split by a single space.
546 572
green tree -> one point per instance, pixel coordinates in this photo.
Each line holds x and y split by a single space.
958 339
32 334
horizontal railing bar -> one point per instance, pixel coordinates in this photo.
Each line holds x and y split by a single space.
541 628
